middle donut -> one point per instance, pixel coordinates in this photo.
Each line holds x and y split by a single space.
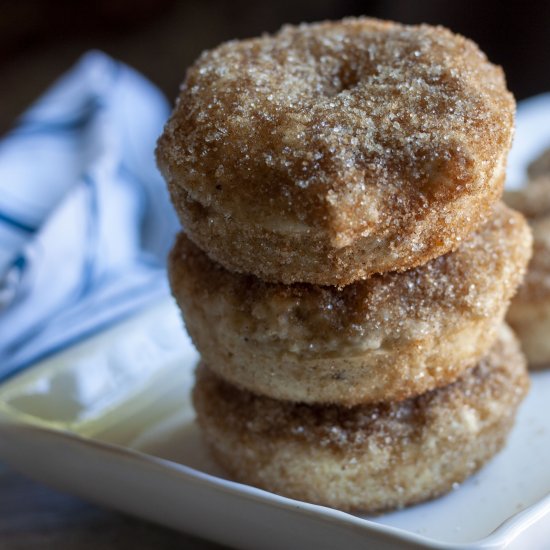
385 338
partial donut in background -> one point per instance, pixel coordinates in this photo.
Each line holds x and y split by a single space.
529 313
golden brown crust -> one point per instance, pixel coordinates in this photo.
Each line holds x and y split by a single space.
367 458
384 338
354 133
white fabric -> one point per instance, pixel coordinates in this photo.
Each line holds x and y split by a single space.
85 221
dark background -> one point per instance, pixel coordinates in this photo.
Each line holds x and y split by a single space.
41 39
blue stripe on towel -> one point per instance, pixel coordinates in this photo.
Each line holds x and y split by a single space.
73 123
91 237
18 224
129 301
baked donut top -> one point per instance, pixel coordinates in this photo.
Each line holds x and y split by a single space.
345 128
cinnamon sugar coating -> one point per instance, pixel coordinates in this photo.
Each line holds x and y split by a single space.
372 457
384 338
529 313
386 138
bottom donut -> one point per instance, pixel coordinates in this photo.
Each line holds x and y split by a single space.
368 458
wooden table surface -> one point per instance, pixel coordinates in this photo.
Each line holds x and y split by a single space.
35 517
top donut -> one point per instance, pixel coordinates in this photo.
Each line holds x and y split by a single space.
329 152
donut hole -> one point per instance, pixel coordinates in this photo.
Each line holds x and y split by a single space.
344 79
348 79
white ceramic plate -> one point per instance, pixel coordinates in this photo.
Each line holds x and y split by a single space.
111 421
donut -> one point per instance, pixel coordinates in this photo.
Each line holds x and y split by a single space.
329 152
384 338
529 313
540 166
532 200
369 458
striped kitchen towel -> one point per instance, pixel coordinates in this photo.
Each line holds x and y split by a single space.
85 220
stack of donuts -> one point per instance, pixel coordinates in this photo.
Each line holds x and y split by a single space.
346 264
